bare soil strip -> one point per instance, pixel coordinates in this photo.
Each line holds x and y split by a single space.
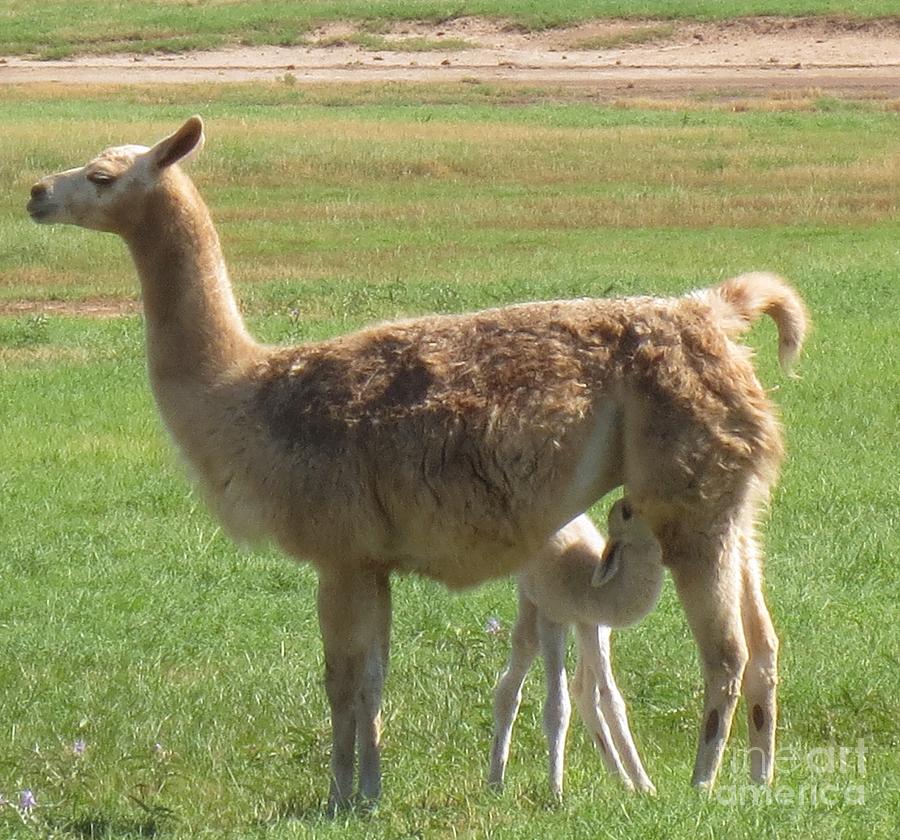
644 59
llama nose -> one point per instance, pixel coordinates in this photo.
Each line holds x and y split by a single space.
39 190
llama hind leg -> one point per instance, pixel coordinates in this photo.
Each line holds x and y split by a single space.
707 574
761 673
508 691
587 700
594 646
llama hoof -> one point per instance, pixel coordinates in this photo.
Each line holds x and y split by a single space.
704 786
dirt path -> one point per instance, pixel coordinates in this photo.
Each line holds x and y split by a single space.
90 307
616 58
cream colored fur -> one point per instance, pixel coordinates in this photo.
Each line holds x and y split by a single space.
455 446
578 579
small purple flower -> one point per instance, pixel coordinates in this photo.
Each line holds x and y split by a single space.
79 747
27 802
493 627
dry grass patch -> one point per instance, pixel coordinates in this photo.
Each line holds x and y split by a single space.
11 357
617 34
395 188
82 307
394 43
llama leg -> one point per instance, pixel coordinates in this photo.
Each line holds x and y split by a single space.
368 711
348 624
584 687
557 708
596 646
508 691
761 673
707 575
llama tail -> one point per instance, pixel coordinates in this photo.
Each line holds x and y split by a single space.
740 301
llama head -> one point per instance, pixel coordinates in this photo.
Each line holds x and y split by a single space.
630 541
109 192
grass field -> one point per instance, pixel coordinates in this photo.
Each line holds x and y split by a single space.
157 681
56 28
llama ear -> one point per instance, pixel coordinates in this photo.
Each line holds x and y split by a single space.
181 145
609 565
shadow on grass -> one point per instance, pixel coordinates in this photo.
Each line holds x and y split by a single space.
97 826
315 812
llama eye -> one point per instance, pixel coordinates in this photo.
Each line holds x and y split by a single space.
101 178
626 511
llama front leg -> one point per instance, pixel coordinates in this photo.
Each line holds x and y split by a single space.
348 619
594 647
707 578
368 711
557 708
761 673
508 691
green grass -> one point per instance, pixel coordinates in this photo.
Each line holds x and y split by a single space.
128 621
56 28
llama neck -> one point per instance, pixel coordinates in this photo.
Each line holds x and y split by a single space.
195 333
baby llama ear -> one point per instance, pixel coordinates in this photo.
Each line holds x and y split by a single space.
183 144
609 565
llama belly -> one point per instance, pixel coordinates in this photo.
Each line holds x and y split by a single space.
462 539
443 549
457 564
464 565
